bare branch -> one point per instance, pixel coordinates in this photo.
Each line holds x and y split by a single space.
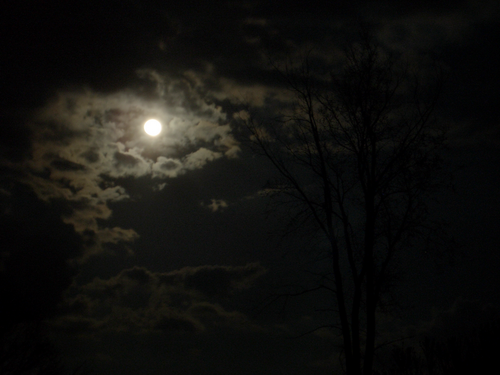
357 157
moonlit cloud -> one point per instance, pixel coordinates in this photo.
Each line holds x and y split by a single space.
83 141
167 167
216 205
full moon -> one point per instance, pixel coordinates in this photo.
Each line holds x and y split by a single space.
152 127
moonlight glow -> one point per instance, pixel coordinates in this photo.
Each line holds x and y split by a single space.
152 127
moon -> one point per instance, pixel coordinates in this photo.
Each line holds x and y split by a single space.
152 127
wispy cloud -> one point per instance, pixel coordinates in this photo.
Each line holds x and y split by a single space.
84 141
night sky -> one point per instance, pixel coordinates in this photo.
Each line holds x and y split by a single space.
157 255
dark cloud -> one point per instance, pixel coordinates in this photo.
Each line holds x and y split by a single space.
125 159
138 274
218 281
66 165
138 300
177 324
91 156
168 165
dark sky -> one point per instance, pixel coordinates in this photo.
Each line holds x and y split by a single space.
154 255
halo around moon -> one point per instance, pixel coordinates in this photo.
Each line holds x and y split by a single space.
152 127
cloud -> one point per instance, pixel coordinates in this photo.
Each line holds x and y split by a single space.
159 187
138 300
167 167
83 142
219 280
199 158
216 205
424 26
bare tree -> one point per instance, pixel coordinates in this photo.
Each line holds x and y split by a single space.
357 155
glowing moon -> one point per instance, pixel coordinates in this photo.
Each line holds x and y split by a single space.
152 127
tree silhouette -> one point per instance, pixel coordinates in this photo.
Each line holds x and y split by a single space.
358 155
464 351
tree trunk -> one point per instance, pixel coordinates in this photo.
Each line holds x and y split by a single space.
370 282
